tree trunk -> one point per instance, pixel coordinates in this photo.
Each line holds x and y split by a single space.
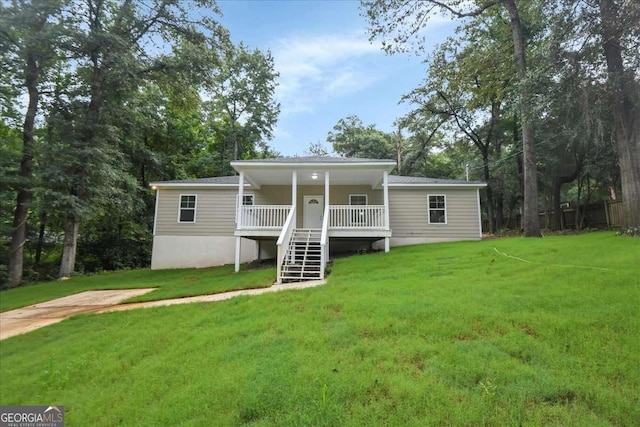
579 194
530 221
235 140
43 225
490 201
24 197
70 245
555 202
626 115
519 169
499 210
558 182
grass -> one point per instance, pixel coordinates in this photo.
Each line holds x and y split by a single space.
169 284
443 334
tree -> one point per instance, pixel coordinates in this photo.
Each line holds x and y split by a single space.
242 89
110 47
469 91
317 149
29 31
351 138
403 20
625 103
424 132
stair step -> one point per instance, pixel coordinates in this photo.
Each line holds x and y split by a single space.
303 259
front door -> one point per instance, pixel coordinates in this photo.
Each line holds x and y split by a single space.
313 211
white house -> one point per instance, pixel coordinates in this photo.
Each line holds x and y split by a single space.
301 209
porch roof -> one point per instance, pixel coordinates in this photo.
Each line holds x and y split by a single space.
394 181
310 170
313 160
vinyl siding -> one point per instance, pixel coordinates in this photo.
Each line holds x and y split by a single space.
408 214
215 209
215 213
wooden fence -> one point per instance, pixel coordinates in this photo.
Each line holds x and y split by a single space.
603 214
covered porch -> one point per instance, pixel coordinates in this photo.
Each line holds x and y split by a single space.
343 198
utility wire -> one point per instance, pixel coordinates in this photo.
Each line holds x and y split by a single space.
500 160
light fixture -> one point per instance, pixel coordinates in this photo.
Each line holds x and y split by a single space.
314 176
154 187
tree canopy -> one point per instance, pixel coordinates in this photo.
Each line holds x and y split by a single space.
523 83
119 93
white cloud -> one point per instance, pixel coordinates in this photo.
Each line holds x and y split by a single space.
314 69
279 133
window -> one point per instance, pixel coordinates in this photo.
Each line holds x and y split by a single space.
358 216
358 199
187 208
437 209
247 200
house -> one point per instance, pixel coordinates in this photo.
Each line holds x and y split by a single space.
299 210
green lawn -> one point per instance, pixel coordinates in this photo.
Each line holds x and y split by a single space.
170 284
443 334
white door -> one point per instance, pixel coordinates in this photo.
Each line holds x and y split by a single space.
313 211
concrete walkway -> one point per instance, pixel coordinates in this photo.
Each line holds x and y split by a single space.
27 319
215 297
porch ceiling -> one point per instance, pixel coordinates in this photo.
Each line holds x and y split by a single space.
338 174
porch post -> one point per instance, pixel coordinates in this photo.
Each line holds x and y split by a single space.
326 188
238 240
326 204
240 199
294 188
385 184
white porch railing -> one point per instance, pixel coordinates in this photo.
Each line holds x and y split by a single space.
263 216
283 240
357 216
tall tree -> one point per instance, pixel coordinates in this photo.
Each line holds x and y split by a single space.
625 103
29 31
351 138
242 88
468 82
112 39
403 20
530 221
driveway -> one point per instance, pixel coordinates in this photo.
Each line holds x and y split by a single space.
26 319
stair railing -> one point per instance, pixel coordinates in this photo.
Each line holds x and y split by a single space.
283 240
324 247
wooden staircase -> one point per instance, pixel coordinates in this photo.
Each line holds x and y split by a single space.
303 258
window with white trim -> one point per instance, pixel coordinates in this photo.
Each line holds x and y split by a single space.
247 200
437 209
358 216
187 211
358 199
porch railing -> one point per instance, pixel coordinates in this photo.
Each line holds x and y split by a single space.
263 216
282 244
357 216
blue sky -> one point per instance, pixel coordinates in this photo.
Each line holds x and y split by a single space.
328 68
